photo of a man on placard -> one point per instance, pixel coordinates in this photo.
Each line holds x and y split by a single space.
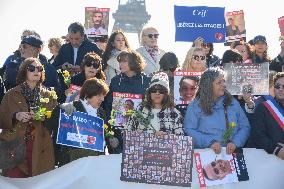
98 27
232 29
217 170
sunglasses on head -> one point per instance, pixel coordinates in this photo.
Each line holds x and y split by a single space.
278 86
153 35
158 89
32 68
95 65
197 57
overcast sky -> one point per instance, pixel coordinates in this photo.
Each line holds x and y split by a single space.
51 19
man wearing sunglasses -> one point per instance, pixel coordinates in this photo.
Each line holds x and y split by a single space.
217 170
268 122
149 49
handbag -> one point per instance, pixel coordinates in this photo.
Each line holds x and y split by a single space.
12 153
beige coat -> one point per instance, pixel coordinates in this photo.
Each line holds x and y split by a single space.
42 152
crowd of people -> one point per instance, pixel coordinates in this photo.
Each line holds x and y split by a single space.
27 76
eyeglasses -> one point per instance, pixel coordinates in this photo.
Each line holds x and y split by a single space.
153 35
158 89
196 57
278 86
32 68
95 65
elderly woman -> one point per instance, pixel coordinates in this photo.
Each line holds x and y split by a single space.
19 120
91 67
54 44
215 119
92 95
149 49
195 60
158 113
130 80
116 44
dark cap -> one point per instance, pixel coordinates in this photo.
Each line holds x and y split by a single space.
259 38
32 40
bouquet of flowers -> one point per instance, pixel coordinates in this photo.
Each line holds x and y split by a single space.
40 111
229 131
108 131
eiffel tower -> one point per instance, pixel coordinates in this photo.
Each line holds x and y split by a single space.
131 16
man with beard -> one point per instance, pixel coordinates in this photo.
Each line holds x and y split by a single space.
98 28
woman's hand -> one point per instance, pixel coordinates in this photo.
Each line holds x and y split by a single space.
69 108
230 148
248 98
216 147
24 116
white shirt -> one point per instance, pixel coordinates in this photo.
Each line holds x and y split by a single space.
90 109
75 50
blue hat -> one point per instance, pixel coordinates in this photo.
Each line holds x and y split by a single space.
32 40
259 38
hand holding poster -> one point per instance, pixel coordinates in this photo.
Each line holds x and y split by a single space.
81 130
235 27
244 78
157 159
213 169
96 22
201 21
123 106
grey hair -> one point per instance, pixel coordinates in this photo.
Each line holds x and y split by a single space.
205 91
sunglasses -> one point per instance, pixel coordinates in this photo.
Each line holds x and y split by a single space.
158 90
95 65
153 35
204 45
32 68
197 57
278 86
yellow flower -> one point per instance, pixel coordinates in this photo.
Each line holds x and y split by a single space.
105 126
233 124
66 73
42 100
48 114
46 100
111 133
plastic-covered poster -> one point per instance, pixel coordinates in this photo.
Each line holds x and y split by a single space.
242 78
96 22
235 27
216 169
157 159
185 86
73 93
123 106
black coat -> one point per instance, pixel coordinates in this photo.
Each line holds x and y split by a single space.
66 53
266 132
78 79
276 64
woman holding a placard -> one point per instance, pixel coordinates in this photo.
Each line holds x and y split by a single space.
215 119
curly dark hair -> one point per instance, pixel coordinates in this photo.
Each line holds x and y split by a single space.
93 87
92 57
110 47
277 76
22 73
167 100
135 61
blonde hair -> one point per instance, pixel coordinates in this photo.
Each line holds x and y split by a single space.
57 42
146 28
186 66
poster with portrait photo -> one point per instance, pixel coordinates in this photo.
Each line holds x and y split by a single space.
157 159
281 25
96 22
243 78
73 93
185 86
122 103
216 169
235 27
